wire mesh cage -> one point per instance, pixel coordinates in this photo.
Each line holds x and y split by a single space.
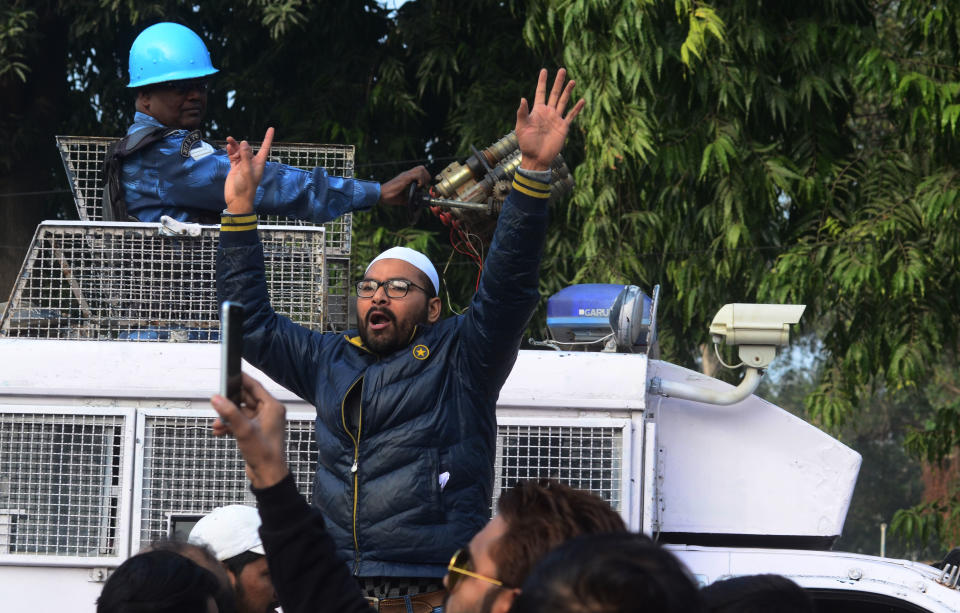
83 158
60 484
186 472
338 293
586 458
126 281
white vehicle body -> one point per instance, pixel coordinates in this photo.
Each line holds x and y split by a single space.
849 581
676 468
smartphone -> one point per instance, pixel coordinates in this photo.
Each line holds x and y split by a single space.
231 349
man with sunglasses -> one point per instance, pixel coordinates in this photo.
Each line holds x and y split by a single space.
406 424
170 170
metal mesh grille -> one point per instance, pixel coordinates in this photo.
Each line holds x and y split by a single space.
188 471
83 161
60 483
586 458
338 293
127 282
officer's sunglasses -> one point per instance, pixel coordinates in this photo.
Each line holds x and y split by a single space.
186 86
460 565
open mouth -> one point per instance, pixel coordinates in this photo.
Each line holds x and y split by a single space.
378 320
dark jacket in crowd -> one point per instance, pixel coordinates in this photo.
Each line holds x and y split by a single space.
416 484
306 574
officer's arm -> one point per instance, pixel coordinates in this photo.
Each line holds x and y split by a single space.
312 195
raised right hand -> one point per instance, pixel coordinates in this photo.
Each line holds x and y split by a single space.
542 129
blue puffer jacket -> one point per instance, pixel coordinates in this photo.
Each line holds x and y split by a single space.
188 186
426 410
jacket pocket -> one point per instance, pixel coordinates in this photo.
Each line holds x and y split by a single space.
407 494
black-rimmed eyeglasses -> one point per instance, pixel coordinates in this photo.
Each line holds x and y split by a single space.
395 288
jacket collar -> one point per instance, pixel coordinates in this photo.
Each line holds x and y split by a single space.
142 120
356 341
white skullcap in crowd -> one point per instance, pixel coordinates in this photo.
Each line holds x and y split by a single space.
229 531
415 259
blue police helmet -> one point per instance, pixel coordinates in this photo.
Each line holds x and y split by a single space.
168 52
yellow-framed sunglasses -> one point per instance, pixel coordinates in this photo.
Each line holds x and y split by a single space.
460 565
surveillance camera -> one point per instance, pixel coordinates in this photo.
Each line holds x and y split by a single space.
757 328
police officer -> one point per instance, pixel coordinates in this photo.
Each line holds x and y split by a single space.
180 175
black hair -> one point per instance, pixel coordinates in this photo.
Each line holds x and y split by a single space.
609 573
158 582
756 594
952 558
236 563
204 556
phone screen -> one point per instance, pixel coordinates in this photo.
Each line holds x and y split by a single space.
231 349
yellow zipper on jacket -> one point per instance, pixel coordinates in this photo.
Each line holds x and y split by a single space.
354 468
355 341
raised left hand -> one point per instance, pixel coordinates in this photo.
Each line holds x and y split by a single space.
246 170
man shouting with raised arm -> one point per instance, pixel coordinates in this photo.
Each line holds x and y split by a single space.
406 424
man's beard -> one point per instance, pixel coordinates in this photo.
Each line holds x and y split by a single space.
395 337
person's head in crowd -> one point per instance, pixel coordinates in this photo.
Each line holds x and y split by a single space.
757 594
532 518
169 70
159 582
397 293
951 559
203 556
609 573
231 533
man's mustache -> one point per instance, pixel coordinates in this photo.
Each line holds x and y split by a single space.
382 311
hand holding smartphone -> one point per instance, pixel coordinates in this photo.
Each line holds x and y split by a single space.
231 350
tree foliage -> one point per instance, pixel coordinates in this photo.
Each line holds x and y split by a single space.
710 136
879 266
801 155
14 22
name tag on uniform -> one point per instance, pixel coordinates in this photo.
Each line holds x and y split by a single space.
194 147
202 150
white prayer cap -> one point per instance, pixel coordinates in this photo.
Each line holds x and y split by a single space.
229 531
412 257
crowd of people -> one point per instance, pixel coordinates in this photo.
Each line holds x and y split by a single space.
406 424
